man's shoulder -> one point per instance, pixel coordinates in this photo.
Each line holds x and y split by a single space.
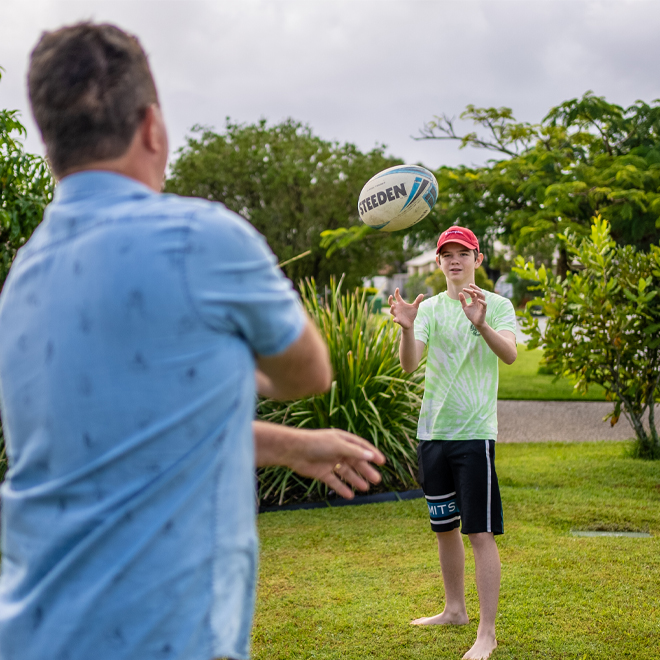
195 207
209 219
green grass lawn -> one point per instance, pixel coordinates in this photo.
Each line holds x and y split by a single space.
343 584
521 380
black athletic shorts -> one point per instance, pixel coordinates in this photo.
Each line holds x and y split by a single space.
459 482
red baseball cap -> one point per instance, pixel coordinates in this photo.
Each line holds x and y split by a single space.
460 235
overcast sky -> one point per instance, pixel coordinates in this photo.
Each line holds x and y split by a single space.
361 71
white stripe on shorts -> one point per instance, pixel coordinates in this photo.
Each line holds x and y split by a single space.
444 522
439 497
488 525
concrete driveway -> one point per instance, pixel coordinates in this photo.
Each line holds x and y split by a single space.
560 421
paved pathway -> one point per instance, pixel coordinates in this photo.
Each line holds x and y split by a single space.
561 421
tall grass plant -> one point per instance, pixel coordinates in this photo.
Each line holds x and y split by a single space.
370 396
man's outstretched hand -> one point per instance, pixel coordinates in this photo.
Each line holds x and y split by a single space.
402 312
338 458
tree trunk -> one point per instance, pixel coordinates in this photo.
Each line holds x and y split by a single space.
562 263
653 431
646 444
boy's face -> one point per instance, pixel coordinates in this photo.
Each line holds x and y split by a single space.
458 263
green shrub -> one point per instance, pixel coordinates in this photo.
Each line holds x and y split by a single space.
545 369
437 281
524 290
371 396
602 326
416 284
482 280
26 187
369 290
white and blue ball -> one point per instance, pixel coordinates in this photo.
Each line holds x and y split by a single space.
397 197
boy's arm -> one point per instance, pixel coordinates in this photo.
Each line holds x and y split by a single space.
410 349
502 343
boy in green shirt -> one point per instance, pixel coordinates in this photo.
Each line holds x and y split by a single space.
466 330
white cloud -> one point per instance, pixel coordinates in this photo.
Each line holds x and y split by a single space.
362 71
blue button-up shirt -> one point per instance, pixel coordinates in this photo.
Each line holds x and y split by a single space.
128 328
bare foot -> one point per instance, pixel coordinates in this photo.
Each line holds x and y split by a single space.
482 648
444 618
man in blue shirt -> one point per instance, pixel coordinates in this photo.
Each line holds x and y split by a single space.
132 324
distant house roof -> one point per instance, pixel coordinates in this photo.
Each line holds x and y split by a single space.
423 259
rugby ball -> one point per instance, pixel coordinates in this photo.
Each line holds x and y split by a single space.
397 197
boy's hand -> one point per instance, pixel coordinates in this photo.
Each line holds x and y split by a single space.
476 310
402 312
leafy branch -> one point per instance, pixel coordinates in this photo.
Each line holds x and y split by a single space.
505 135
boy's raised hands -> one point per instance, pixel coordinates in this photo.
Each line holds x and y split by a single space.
402 312
475 310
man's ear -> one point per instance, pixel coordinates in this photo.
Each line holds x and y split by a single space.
437 259
151 129
478 261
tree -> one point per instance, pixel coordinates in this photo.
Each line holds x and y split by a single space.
26 187
587 156
291 185
603 325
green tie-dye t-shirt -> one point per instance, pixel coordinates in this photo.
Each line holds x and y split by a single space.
460 392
